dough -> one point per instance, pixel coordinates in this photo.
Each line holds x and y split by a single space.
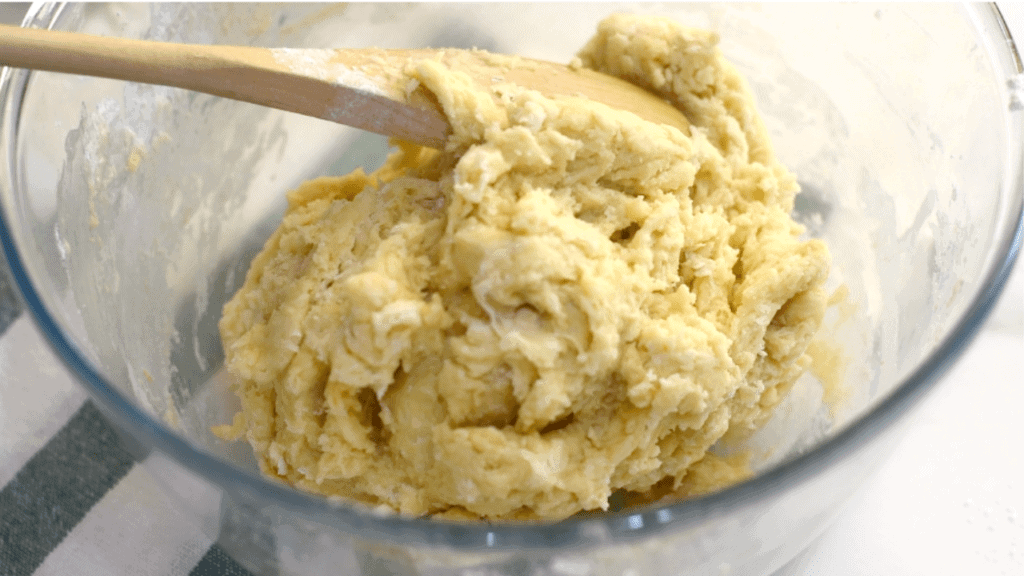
565 303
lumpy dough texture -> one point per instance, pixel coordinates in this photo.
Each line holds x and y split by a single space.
564 303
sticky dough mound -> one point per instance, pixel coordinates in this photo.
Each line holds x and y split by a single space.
565 303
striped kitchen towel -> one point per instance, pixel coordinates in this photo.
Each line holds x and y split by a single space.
72 500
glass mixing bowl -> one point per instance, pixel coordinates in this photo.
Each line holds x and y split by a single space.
130 213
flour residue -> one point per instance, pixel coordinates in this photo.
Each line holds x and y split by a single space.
320 63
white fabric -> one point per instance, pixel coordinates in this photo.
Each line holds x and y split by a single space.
135 530
37 396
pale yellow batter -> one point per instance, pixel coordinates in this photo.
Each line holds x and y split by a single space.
565 303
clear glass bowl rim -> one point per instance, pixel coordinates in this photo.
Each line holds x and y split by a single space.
618 526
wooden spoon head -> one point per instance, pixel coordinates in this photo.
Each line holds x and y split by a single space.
385 73
552 79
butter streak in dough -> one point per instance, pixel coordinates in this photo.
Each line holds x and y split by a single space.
566 302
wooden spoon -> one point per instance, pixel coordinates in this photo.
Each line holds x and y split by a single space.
363 88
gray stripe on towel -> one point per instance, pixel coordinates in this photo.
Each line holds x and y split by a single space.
216 562
57 488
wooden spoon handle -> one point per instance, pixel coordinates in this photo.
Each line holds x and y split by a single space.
259 75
